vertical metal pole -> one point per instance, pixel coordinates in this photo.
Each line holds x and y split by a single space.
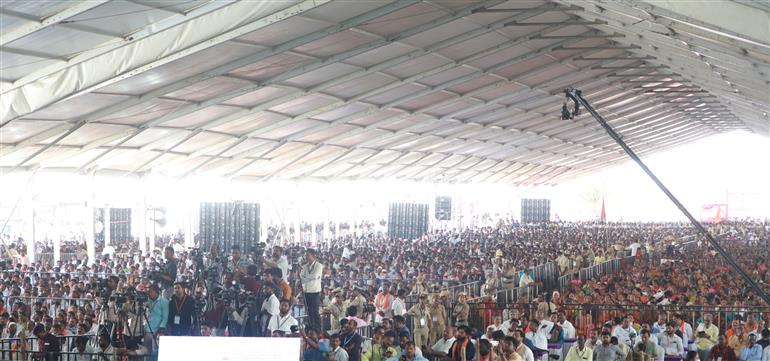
577 97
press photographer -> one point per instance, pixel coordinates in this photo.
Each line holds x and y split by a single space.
277 260
181 312
310 276
168 275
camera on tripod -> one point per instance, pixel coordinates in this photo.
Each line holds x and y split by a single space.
295 253
129 294
369 308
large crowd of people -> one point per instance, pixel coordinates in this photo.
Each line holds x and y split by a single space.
371 298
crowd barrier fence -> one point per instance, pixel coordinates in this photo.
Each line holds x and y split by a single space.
595 271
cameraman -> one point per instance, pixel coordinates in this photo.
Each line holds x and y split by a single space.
237 264
279 261
310 276
180 312
168 275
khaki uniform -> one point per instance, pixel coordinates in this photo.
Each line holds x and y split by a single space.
461 312
359 301
337 312
421 324
439 322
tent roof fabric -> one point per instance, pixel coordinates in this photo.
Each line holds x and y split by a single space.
444 91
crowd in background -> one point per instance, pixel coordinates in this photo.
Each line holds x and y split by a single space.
397 290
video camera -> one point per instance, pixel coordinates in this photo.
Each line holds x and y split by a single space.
129 294
295 254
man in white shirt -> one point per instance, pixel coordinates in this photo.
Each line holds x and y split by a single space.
766 354
521 348
686 328
310 274
671 343
270 307
567 328
441 348
659 326
711 330
623 331
340 354
537 340
283 320
399 306
512 323
278 260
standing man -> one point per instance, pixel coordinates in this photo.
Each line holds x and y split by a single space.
461 310
310 275
168 277
438 318
278 260
398 307
157 318
350 340
180 315
383 303
422 321
336 310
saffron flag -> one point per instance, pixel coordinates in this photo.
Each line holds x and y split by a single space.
714 213
602 215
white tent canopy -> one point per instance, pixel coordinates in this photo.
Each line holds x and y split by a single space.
450 91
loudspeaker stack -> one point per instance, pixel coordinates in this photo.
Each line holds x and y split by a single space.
407 220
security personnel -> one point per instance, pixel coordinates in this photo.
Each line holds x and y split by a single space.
438 319
461 310
336 309
422 321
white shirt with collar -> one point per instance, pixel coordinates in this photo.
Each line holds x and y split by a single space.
282 323
539 338
525 352
340 354
311 277
271 305
672 345
568 329
443 345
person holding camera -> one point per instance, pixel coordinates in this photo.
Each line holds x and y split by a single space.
278 260
310 276
181 312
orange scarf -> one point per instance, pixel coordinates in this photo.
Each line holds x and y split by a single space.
379 302
461 347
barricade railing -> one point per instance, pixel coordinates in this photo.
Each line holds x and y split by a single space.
546 275
15 349
48 257
595 271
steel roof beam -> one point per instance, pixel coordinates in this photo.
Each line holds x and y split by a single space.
50 20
